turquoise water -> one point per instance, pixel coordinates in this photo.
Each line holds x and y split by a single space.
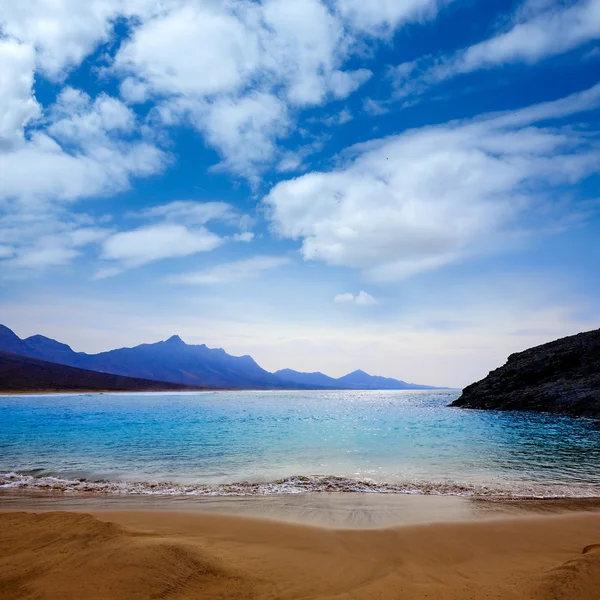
290 442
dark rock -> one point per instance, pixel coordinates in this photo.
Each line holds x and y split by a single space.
559 377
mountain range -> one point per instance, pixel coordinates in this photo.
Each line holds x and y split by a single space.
175 361
23 374
357 380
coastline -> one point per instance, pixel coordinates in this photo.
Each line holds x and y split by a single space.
346 510
137 554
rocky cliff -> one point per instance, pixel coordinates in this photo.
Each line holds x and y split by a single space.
559 377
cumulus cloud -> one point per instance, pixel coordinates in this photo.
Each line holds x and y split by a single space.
539 29
244 129
83 148
232 272
79 154
64 32
238 71
361 299
17 106
429 197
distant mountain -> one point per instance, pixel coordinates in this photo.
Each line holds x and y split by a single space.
307 379
363 381
24 374
172 360
175 361
10 342
357 380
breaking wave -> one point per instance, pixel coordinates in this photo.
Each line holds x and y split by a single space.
290 485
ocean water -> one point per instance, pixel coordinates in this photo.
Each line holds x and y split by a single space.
244 443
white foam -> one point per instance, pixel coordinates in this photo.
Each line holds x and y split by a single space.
290 485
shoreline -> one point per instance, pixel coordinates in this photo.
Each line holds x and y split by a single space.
82 484
137 554
351 510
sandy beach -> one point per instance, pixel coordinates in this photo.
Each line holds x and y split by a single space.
141 554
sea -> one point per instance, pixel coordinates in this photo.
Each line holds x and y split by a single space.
245 443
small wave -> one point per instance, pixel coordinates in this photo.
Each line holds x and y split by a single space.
290 485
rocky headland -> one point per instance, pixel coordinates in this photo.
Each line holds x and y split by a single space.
559 377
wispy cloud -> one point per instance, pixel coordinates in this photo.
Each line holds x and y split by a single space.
232 272
156 242
539 30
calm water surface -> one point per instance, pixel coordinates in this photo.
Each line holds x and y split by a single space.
289 442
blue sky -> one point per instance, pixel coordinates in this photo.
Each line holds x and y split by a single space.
410 187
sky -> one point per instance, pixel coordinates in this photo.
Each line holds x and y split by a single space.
409 187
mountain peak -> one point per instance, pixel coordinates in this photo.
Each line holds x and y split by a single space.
7 333
39 341
175 339
359 372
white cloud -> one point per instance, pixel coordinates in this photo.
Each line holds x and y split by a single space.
192 48
540 29
17 105
192 213
374 108
176 230
344 298
304 44
361 299
431 196
155 242
383 16
246 236
295 160
291 161
80 154
340 118
343 83
49 238
46 256
64 32
233 272
557 29
245 129
364 299
238 71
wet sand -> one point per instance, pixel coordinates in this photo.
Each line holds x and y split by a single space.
186 555
334 510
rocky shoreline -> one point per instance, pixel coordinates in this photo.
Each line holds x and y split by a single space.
559 377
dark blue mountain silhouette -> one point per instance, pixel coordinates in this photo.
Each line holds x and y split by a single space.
175 361
357 380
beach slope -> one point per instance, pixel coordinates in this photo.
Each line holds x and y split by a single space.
139 555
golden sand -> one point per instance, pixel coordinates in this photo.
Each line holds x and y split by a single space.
138 555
